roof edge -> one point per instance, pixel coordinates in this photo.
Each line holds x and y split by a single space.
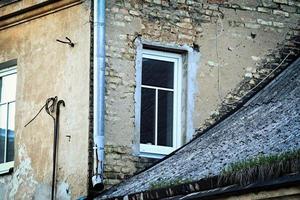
206 189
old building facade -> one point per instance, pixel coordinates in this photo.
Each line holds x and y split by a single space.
212 52
29 30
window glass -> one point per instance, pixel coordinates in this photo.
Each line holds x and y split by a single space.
165 118
11 132
3 122
8 89
157 73
148 116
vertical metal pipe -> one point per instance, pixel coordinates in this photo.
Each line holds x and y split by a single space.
55 146
99 92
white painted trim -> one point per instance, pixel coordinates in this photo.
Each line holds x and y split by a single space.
155 151
8 71
6 167
154 87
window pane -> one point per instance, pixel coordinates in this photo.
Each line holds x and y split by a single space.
11 133
165 118
3 113
157 73
8 90
148 116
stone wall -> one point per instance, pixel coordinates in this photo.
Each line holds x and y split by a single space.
234 39
121 164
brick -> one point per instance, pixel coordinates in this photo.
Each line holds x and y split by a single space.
208 12
123 11
280 12
185 37
133 12
216 1
290 9
294 3
278 24
269 3
296 32
263 22
114 9
248 8
165 3
213 7
281 1
116 23
185 25
264 10
252 25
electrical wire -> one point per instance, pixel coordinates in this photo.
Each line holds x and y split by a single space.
217 54
48 108
35 115
258 84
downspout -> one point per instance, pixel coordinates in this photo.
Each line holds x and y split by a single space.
99 93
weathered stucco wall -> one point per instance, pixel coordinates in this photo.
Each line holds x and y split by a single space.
48 68
233 39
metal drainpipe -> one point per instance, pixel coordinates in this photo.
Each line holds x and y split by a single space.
99 93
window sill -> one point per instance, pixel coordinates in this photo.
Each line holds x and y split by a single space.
151 155
152 151
6 168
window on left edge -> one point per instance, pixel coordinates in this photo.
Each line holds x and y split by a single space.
8 80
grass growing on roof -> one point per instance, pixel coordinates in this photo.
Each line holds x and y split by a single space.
168 183
262 160
261 168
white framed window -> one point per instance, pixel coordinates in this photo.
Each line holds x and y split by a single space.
160 103
8 80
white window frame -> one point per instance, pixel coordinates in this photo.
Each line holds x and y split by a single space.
157 151
7 166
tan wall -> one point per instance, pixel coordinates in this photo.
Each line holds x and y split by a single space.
47 68
228 59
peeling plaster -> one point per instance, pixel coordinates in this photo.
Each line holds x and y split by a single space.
23 175
194 58
43 191
63 191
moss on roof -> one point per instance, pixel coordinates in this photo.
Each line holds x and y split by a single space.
262 168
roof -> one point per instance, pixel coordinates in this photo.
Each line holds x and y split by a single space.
267 124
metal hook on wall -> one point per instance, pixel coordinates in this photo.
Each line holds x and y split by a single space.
69 42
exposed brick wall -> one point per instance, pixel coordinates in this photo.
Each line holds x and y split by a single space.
120 164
